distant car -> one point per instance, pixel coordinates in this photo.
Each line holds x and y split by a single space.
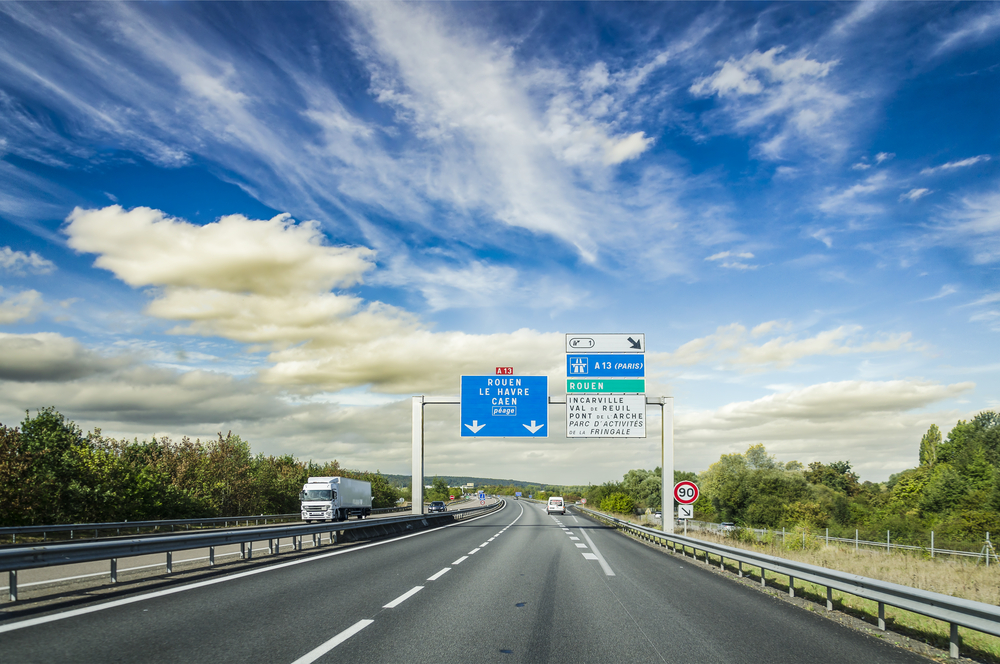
658 515
727 526
437 506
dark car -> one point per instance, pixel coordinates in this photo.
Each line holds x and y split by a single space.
437 506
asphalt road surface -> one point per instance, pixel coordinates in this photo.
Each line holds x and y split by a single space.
513 586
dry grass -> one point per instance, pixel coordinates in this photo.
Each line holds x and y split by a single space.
958 578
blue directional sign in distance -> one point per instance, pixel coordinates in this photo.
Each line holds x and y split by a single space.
606 365
505 406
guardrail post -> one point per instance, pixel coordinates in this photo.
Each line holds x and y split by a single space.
243 550
270 546
791 586
954 642
740 571
881 616
170 562
249 550
829 598
12 583
211 556
763 582
114 570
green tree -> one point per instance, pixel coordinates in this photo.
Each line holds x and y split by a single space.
20 491
929 445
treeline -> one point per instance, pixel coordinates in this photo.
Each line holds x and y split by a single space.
954 491
51 472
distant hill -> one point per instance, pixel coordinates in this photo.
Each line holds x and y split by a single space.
454 480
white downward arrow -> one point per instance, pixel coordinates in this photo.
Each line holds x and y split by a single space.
533 428
476 426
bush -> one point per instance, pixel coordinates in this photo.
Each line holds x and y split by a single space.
618 503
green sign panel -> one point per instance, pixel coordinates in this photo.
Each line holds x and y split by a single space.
607 385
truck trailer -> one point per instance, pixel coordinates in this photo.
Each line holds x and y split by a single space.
335 499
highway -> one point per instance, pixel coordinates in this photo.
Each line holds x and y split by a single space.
513 586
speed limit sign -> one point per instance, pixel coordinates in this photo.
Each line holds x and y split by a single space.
685 492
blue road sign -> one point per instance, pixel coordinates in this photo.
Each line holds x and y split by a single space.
505 406
606 365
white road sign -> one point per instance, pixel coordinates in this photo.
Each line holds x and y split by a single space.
605 415
605 343
685 511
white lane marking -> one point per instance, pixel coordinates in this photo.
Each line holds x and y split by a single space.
402 598
10 627
599 558
483 544
492 538
575 519
581 546
473 551
574 538
318 652
459 561
590 556
439 574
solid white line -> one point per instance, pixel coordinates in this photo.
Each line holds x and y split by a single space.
439 574
599 557
10 627
459 561
316 653
402 598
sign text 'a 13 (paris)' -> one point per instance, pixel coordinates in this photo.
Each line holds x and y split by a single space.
505 406
606 365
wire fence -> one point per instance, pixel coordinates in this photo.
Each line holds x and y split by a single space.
986 554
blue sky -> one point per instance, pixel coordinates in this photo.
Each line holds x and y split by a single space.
286 219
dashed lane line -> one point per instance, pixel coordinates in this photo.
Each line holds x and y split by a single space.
402 598
321 650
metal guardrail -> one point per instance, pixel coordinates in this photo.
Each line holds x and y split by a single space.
953 610
14 559
118 526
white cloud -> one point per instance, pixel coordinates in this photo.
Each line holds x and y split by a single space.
884 156
852 200
269 283
946 290
733 265
961 163
871 424
974 25
46 356
973 224
19 262
790 93
729 345
914 194
23 306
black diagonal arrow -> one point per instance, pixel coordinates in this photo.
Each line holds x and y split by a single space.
635 344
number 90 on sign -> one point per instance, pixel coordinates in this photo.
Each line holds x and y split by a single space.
686 492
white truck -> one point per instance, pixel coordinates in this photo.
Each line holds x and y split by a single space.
335 499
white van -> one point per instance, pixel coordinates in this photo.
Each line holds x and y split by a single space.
556 504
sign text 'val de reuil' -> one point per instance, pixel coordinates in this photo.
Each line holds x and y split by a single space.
605 343
605 416
505 406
